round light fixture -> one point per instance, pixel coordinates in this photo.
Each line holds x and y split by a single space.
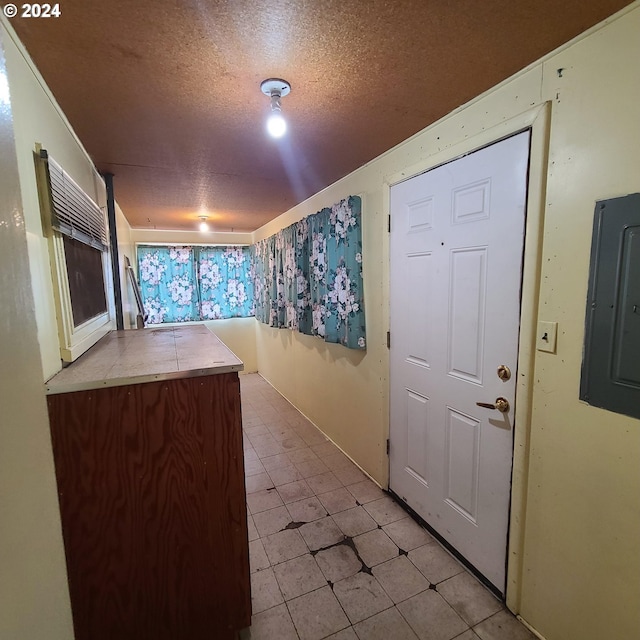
276 89
204 227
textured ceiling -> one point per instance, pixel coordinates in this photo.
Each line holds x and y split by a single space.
165 94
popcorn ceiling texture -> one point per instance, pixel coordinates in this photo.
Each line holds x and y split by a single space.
166 95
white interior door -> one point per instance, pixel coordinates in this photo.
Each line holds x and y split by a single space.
457 235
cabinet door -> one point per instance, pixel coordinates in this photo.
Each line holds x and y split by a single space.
152 497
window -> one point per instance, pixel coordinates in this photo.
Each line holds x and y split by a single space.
77 232
184 284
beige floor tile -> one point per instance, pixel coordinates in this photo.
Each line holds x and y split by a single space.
338 461
366 491
258 482
251 527
269 449
387 625
313 438
385 510
375 547
294 491
324 482
306 510
273 624
260 440
353 522
321 533
407 533
282 433
345 634
325 449
470 599
361 596
251 422
299 576
435 563
273 421
284 475
263 500
271 521
268 415
276 462
290 413
337 500
400 579
253 467
431 617
265 592
250 454
254 431
350 475
293 443
502 626
339 562
317 614
302 455
257 557
467 635
284 545
310 468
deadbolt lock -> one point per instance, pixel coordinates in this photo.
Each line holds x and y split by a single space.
502 405
504 373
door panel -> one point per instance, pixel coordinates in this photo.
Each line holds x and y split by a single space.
456 253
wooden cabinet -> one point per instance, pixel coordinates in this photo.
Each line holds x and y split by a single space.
152 496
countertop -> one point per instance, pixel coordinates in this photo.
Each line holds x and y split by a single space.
146 355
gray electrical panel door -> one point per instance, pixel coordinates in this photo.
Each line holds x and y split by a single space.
611 364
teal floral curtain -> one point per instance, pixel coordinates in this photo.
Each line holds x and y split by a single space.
308 276
224 282
168 284
182 284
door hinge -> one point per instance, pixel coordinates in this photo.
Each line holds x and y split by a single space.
388 339
388 446
389 223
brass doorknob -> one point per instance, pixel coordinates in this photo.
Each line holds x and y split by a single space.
502 405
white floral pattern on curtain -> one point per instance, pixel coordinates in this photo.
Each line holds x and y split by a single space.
224 282
308 276
182 284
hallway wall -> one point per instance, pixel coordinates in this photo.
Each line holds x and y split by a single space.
574 565
34 598
39 119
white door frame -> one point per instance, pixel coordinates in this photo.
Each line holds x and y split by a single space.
537 119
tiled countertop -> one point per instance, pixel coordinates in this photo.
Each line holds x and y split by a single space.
146 355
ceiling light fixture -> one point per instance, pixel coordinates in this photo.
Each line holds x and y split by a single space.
204 227
276 89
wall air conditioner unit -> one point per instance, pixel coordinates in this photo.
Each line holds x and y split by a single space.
79 254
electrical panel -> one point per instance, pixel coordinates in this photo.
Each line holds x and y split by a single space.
611 362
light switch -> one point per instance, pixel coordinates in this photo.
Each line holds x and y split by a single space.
547 334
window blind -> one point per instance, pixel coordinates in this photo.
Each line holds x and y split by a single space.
73 212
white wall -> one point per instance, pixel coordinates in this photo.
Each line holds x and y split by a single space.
34 598
574 567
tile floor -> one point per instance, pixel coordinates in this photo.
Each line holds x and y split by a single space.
333 556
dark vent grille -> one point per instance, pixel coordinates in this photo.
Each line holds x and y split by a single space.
74 213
